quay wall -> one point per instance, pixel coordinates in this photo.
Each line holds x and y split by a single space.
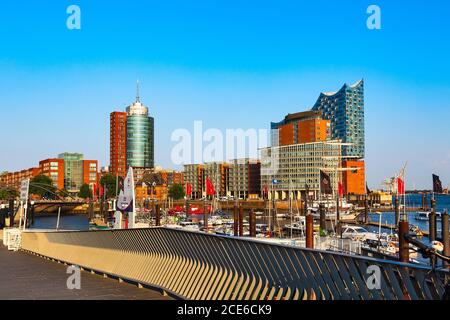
201 266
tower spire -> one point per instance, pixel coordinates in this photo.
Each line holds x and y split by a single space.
138 98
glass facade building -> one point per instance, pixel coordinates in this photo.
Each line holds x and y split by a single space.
140 149
140 136
345 109
73 171
297 167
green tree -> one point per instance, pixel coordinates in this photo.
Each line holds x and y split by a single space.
42 186
85 192
176 191
8 193
109 184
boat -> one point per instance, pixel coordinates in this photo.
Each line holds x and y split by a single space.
416 230
425 215
357 233
262 228
185 225
297 227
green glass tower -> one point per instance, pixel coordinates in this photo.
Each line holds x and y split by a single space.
140 135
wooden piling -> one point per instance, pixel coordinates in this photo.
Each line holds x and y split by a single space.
205 217
432 228
252 220
11 213
241 221
403 229
235 221
157 215
445 238
310 231
366 210
397 211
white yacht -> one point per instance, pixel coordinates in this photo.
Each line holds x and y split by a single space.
425 215
357 233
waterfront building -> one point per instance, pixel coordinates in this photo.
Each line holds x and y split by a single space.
73 171
54 169
154 184
245 178
3 176
90 173
194 175
218 173
14 179
353 181
301 127
118 143
337 116
345 110
131 138
380 197
78 171
140 136
288 171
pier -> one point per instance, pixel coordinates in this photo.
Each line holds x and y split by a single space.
200 266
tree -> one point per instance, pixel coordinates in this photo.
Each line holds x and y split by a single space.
85 192
109 184
42 186
176 191
8 193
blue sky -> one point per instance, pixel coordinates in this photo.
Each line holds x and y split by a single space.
228 63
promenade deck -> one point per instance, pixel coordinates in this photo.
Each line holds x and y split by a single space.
28 277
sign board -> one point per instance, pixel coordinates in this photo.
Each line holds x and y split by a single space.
24 189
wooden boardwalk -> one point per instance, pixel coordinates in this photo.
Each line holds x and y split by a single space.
28 277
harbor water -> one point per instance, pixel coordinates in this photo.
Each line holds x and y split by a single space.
66 222
413 200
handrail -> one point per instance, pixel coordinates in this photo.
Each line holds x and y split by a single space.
196 265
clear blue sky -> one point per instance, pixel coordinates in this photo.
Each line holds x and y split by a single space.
232 64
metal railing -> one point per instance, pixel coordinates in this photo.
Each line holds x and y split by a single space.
201 266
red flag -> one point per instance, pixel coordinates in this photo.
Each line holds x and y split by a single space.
400 186
101 191
210 188
266 189
340 189
188 189
94 191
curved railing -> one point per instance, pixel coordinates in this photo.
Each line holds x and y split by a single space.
208 267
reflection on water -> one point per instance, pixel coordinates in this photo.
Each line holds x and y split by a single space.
66 222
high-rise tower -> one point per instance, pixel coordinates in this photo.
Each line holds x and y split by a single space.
140 135
345 109
118 144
